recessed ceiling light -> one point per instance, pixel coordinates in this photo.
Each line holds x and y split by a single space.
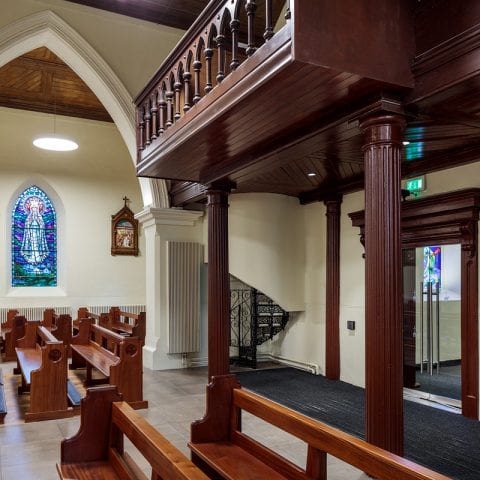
406 142
57 144
311 174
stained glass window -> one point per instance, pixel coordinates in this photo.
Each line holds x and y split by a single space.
34 240
432 265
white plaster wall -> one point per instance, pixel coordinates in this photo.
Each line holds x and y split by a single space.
304 338
352 295
267 247
87 187
134 49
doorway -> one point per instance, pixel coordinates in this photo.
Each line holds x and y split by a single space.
432 324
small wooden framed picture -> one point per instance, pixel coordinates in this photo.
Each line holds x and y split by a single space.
124 232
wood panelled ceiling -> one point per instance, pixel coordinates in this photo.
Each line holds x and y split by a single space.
40 81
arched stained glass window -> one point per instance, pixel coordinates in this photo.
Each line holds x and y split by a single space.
34 240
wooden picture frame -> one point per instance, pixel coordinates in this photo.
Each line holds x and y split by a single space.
124 232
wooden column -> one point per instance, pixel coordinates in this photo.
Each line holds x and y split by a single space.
383 290
218 281
332 308
469 316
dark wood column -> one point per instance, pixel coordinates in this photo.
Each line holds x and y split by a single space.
383 290
332 290
218 281
469 316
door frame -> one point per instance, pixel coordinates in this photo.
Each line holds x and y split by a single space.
443 219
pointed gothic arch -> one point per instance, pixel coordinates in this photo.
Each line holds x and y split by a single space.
46 29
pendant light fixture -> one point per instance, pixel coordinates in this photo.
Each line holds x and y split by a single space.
55 142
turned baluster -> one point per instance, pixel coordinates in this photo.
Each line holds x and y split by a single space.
268 21
186 80
220 39
197 67
162 105
208 69
153 112
141 130
251 7
169 96
234 27
177 86
148 131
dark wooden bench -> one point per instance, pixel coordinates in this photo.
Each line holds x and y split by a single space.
3 403
118 358
6 326
42 363
11 336
222 450
97 450
125 323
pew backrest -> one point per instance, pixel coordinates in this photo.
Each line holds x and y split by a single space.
222 423
105 420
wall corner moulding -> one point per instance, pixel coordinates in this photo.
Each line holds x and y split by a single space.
167 216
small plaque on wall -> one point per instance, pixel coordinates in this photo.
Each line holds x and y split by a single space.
124 232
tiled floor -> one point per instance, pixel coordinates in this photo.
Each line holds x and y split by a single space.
176 398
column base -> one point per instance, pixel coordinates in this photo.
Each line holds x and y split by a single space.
155 356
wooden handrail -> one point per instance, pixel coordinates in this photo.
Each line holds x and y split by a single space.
371 459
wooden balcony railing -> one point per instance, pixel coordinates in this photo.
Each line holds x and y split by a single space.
226 34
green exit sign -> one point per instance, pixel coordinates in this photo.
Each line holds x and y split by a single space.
415 184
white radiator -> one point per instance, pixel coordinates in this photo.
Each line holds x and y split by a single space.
183 263
33 313
98 309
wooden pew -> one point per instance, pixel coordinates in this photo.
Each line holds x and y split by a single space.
17 331
131 324
222 450
3 403
97 452
122 365
42 362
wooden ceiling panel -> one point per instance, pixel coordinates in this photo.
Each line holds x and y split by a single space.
40 81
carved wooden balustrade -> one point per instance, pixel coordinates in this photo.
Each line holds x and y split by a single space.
226 34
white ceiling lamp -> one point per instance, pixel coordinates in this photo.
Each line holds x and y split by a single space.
55 142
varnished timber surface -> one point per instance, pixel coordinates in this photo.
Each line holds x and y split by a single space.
234 463
98 357
29 359
40 81
87 471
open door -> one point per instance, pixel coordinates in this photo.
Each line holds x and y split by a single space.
432 323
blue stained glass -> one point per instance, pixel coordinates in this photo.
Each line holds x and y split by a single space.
34 240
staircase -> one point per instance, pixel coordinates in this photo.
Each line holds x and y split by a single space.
254 319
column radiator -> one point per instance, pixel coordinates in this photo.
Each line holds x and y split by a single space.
32 313
183 277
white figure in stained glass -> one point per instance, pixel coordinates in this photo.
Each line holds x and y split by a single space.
34 240
34 246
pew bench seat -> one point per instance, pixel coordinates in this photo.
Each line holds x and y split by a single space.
117 358
29 359
232 462
42 364
96 357
87 471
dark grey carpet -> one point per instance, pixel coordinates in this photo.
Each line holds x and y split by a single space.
444 384
443 441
